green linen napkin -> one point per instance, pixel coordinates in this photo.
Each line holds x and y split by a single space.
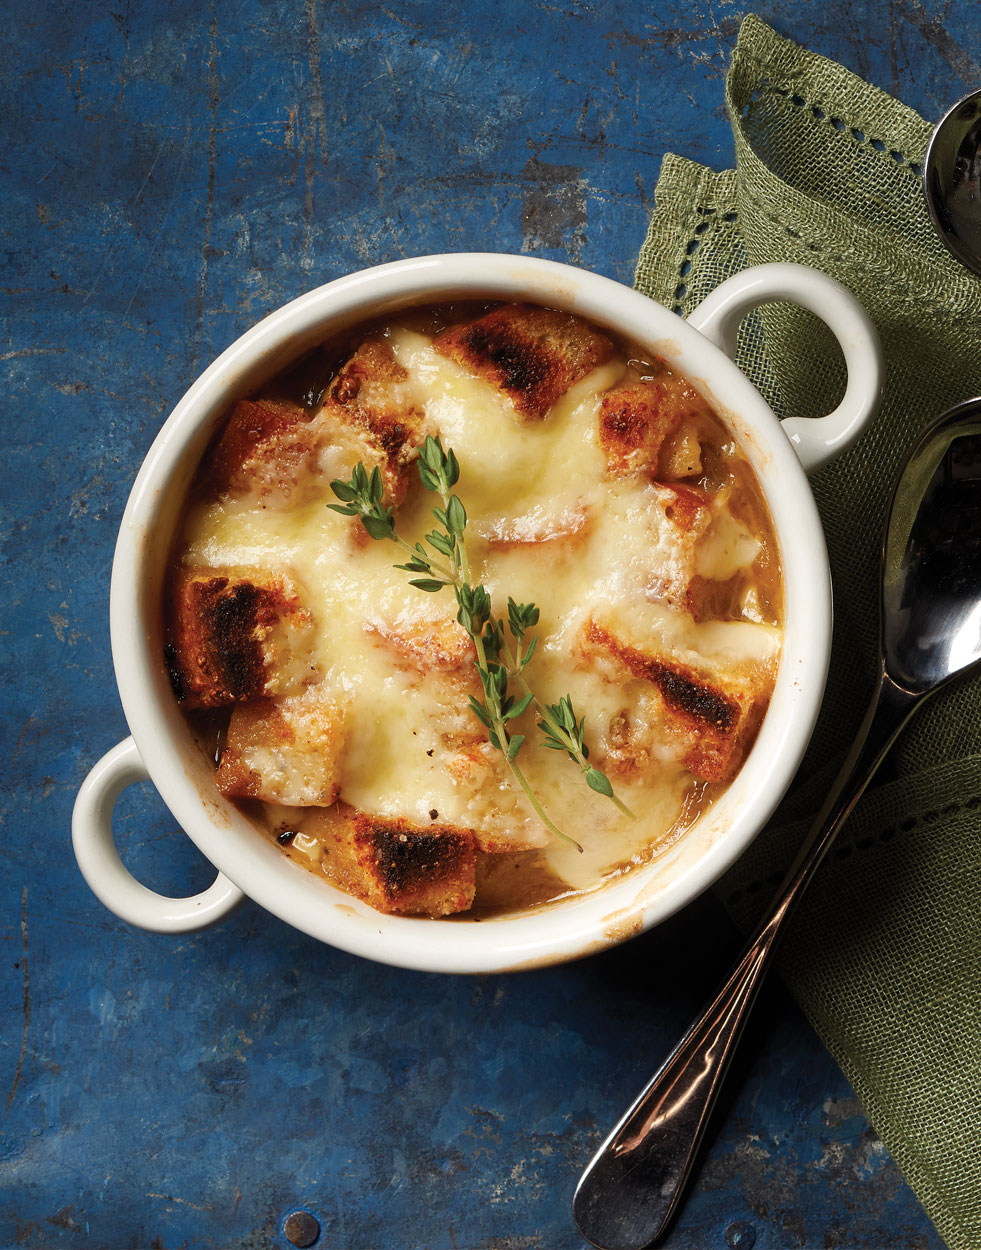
885 953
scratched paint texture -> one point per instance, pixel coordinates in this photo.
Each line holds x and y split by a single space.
172 172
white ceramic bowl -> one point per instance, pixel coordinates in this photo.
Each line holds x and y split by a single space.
162 750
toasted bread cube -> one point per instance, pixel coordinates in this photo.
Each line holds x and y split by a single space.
394 866
650 428
674 545
710 720
265 449
284 751
234 636
368 415
532 354
633 423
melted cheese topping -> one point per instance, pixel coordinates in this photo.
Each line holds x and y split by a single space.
545 526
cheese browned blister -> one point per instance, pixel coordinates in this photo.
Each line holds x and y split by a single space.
599 487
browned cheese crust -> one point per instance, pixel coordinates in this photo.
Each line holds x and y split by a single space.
532 354
221 651
711 719
395 866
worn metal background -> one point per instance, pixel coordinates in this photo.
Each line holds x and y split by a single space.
173 171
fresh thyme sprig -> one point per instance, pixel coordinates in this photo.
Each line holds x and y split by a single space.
557 721
496 662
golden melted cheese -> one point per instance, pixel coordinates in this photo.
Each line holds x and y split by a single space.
546 525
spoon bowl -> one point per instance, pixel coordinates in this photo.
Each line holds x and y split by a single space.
930 612
931 583
952 180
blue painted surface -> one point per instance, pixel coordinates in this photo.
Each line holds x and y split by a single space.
172 172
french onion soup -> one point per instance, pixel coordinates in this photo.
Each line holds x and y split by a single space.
477 606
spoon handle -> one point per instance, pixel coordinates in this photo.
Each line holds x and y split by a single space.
631 1189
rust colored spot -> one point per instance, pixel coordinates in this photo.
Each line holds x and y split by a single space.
301 1229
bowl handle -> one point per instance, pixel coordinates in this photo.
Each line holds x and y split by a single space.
110 881
817 439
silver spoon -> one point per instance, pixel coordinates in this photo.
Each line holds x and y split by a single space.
952 180
930 631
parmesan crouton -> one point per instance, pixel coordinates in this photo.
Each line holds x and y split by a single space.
368 415
532 354
266 449
392 865
284 751
234 635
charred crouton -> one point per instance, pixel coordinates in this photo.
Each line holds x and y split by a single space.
649 427
709 721
233 637
368 415
265 448
633 424
283 751
532 354
395 866
425 644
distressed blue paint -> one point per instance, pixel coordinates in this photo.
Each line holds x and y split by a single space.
172 172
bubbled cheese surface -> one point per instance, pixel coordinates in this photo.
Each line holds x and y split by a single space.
545 526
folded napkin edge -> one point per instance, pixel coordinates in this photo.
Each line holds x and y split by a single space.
852 97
